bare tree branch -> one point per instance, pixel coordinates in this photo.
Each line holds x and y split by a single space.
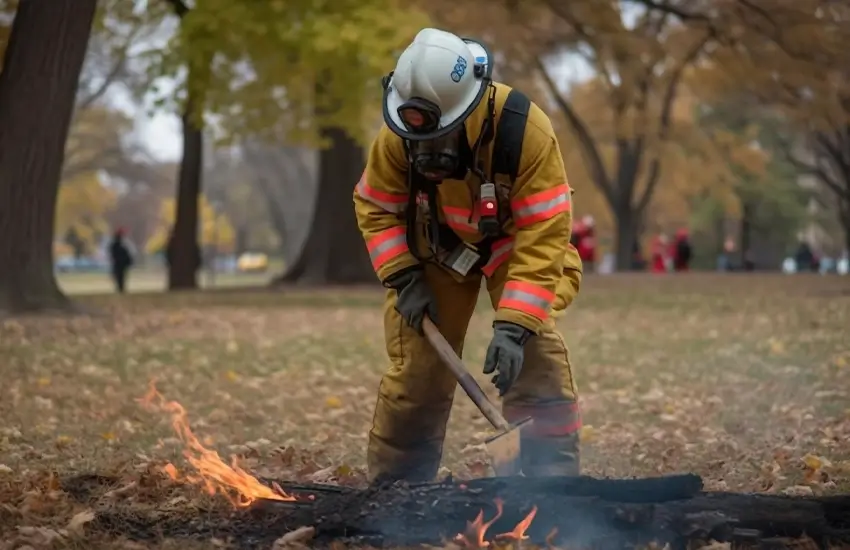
117 69
665 123
589 150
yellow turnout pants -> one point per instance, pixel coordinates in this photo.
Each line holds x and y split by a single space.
416 392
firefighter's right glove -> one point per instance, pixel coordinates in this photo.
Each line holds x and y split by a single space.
505 354
414 298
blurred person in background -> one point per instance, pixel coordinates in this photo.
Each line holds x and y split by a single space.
681 251
578 231
121 258
805 257
660 254
587 243
724 259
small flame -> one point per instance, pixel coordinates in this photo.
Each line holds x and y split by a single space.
475 532
518 532
237 485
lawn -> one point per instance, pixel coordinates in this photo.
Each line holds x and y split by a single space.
744 380
154 280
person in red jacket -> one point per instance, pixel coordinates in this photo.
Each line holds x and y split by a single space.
659 253
587 243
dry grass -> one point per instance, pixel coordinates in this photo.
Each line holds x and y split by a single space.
744 380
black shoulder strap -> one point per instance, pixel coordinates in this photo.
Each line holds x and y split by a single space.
507 148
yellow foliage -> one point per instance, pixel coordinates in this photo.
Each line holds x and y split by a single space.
286 69
216 230
82 205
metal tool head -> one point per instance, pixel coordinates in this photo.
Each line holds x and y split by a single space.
505 449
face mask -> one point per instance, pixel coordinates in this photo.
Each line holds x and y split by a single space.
437 159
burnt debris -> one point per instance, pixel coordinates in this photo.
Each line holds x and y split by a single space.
570 513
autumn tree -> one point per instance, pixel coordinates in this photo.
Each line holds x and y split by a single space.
216 230
41 66
793 61
299 73
638 59
82 210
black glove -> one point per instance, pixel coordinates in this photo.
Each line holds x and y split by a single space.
505 354
414 298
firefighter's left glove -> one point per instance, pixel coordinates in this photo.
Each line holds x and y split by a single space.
505 354
415 299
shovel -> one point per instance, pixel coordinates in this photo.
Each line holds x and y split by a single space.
504 447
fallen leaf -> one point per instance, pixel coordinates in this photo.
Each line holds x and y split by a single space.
325 474
815 463
77 523
5 469
120 491
231 376
297 536
777 347
587 433
333 402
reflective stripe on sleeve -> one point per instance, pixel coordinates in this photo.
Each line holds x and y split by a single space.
528 298
387 245
541 206
390 202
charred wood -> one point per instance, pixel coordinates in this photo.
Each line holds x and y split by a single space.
580 512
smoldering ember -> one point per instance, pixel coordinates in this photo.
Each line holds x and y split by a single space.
559 512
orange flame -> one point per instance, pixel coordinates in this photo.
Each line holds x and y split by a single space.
237 485
518 532
475 532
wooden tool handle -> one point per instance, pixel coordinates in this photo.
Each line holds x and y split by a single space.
466 381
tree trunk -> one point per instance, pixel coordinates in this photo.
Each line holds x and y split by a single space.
626 236
183 270
38 84
334 252
241 245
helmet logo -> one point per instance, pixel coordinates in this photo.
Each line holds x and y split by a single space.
459 69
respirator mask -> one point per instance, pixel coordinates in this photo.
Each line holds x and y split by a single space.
436 159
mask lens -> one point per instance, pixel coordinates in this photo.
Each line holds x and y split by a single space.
419 116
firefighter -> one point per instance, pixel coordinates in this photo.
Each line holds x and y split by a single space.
443 203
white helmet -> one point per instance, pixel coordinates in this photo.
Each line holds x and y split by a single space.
438 81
